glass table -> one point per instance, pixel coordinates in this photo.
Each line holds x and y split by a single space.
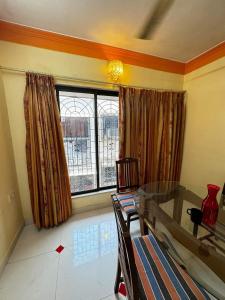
200 249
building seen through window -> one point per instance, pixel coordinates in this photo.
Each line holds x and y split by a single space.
90 129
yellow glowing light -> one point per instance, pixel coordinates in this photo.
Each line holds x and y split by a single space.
115 70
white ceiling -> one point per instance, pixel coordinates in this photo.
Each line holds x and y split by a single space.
190 27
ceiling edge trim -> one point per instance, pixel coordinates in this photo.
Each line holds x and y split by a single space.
12 32
205 58
53 41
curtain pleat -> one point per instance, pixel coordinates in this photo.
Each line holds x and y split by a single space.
152 125
46 161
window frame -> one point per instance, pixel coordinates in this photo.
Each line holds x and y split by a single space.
96 93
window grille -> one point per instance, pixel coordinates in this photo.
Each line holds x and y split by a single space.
91 139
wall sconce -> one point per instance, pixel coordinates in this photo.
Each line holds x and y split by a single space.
115 70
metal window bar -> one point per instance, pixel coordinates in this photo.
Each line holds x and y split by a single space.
90 126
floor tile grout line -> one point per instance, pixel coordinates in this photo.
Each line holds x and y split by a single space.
30 257
105 297
117 296
59 263
57 276
68 246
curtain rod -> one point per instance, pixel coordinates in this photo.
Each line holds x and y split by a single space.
87 81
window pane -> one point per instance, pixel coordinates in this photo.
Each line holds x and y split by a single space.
77 117
108 139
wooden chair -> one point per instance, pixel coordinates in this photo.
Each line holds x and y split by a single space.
125 264
149 272
127 183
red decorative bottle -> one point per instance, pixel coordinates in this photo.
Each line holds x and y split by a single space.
210 206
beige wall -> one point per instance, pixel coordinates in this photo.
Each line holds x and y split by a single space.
204 142
204 151
11 219
53 62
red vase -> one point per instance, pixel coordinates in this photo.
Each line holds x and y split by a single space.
210 206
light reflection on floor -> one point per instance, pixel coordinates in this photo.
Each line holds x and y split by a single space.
84 270
93 241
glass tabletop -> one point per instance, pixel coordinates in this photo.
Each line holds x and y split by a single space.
200 248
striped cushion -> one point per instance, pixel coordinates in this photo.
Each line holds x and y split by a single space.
128 205
126 201
160 276
120 197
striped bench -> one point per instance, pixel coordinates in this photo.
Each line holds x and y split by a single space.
126 201
160 276
127 204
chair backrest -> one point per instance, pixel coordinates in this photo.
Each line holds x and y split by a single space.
126 255
127 175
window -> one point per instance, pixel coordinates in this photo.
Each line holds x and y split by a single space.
91 139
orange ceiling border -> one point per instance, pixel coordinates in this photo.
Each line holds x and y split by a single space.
53 41
205 58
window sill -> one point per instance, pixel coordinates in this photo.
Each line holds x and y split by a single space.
94 193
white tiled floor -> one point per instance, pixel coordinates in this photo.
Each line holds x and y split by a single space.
85 269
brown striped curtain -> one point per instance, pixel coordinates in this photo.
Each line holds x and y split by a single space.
152 125
46 162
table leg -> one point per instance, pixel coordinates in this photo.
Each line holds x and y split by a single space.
177 211
143 226
195 230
